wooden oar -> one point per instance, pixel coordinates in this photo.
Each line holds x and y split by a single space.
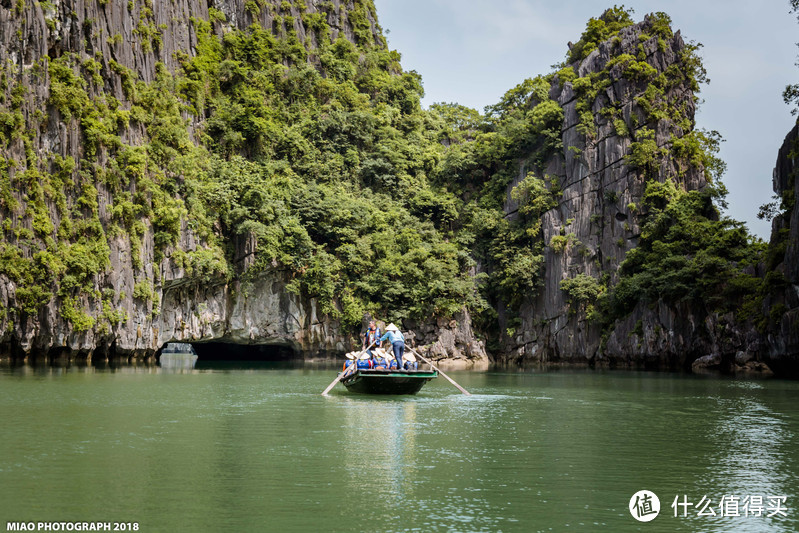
417 354
341 375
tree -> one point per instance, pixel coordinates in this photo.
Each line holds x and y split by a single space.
791 92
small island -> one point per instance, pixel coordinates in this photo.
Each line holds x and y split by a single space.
262 174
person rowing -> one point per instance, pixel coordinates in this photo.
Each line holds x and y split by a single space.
397 340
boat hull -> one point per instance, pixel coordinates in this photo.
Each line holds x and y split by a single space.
388 381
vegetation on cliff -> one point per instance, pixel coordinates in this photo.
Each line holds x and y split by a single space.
791 92
318 151
687 253
776 300
687 250
321 154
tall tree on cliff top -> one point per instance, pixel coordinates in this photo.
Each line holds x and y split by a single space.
790 95
791 92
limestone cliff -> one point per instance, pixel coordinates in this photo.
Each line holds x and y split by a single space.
80 98
781 345
261 172
643 101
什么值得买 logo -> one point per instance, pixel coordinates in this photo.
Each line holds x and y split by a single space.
644 505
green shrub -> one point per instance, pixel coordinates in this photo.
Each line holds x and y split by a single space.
598 30
74 314
143 290
559 243
582 291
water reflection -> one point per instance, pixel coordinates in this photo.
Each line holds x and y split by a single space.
750 457
168 364
34 370
381 440
418 460
255 447
178 362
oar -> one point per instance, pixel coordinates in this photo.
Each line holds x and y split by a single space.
341 375
417 354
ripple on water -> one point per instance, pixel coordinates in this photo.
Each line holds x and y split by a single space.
208 449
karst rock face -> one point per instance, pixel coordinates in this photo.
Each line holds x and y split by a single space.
781 342
627 106
599 214
129 42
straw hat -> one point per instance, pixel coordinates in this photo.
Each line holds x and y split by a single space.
387 356
408 356
392 327
350 355
365 355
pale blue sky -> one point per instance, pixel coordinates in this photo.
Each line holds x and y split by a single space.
472 51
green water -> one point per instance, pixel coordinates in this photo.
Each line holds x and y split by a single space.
258 449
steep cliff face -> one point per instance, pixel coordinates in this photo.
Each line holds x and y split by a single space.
628 116
105 250
781 347
263 173
597 214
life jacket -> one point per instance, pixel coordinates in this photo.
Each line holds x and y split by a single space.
372 337
348 363
364 363
381 363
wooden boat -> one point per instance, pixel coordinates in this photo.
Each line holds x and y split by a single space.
380 381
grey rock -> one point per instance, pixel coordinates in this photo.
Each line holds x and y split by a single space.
780 349
597 187
262 311
741 358
712 361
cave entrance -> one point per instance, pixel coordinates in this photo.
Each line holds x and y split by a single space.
228 351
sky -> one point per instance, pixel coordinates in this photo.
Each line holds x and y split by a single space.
472 51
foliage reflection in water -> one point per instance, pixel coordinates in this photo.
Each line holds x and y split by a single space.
255 447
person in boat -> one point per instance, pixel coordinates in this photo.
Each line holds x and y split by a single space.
349 361
364 362
390 361
397 340
374 357
372 336
410 362
379 359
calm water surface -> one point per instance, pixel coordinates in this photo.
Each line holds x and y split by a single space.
258 449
